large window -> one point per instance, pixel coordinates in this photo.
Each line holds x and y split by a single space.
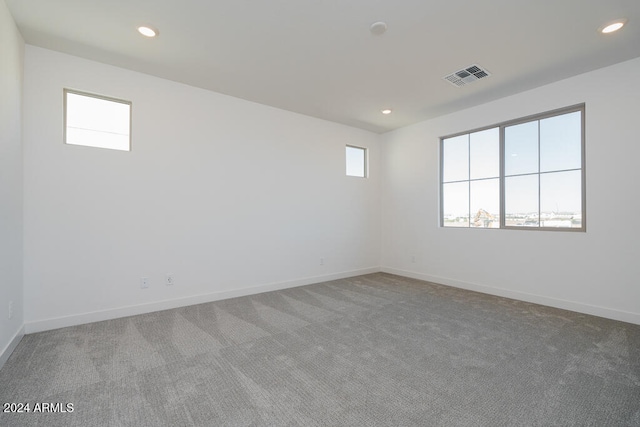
96 121
527 173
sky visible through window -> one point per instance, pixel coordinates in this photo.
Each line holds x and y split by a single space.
97 122
542 175
356 161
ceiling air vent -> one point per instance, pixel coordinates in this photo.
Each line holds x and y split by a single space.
467 75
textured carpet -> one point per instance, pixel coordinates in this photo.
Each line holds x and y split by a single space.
374 350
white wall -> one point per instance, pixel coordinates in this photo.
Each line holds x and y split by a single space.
11 66
233 197
595 272
229 196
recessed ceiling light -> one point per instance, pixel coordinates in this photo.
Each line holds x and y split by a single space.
147 31
612 26
378 28
386 111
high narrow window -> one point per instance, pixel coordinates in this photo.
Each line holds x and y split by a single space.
527 173
96 121
356 161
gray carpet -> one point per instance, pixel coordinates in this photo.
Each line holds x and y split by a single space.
374 350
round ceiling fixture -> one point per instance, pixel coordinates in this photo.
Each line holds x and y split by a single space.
386 111
378 28
147 31
612 26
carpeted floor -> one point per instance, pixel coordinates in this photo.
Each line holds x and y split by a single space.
374 350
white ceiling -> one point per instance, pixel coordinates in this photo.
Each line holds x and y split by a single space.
317 57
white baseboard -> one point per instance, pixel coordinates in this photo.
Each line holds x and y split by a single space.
6 352
608 313
97 316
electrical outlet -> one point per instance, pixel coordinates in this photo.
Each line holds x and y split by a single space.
413 259
10 314
321 261
144 283
168 279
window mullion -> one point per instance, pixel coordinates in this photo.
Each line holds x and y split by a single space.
441 183
469 179
502 179
539 181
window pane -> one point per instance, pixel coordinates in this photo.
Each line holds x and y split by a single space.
87 112
561 199
455 163
97 122
485 203
455 199
92 138
521 149
521 201
560 142
485 154
356 161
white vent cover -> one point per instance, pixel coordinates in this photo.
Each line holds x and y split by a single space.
467 75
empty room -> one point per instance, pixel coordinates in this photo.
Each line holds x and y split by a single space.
319 213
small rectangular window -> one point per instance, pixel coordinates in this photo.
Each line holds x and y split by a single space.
356 161
527 173
96 121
